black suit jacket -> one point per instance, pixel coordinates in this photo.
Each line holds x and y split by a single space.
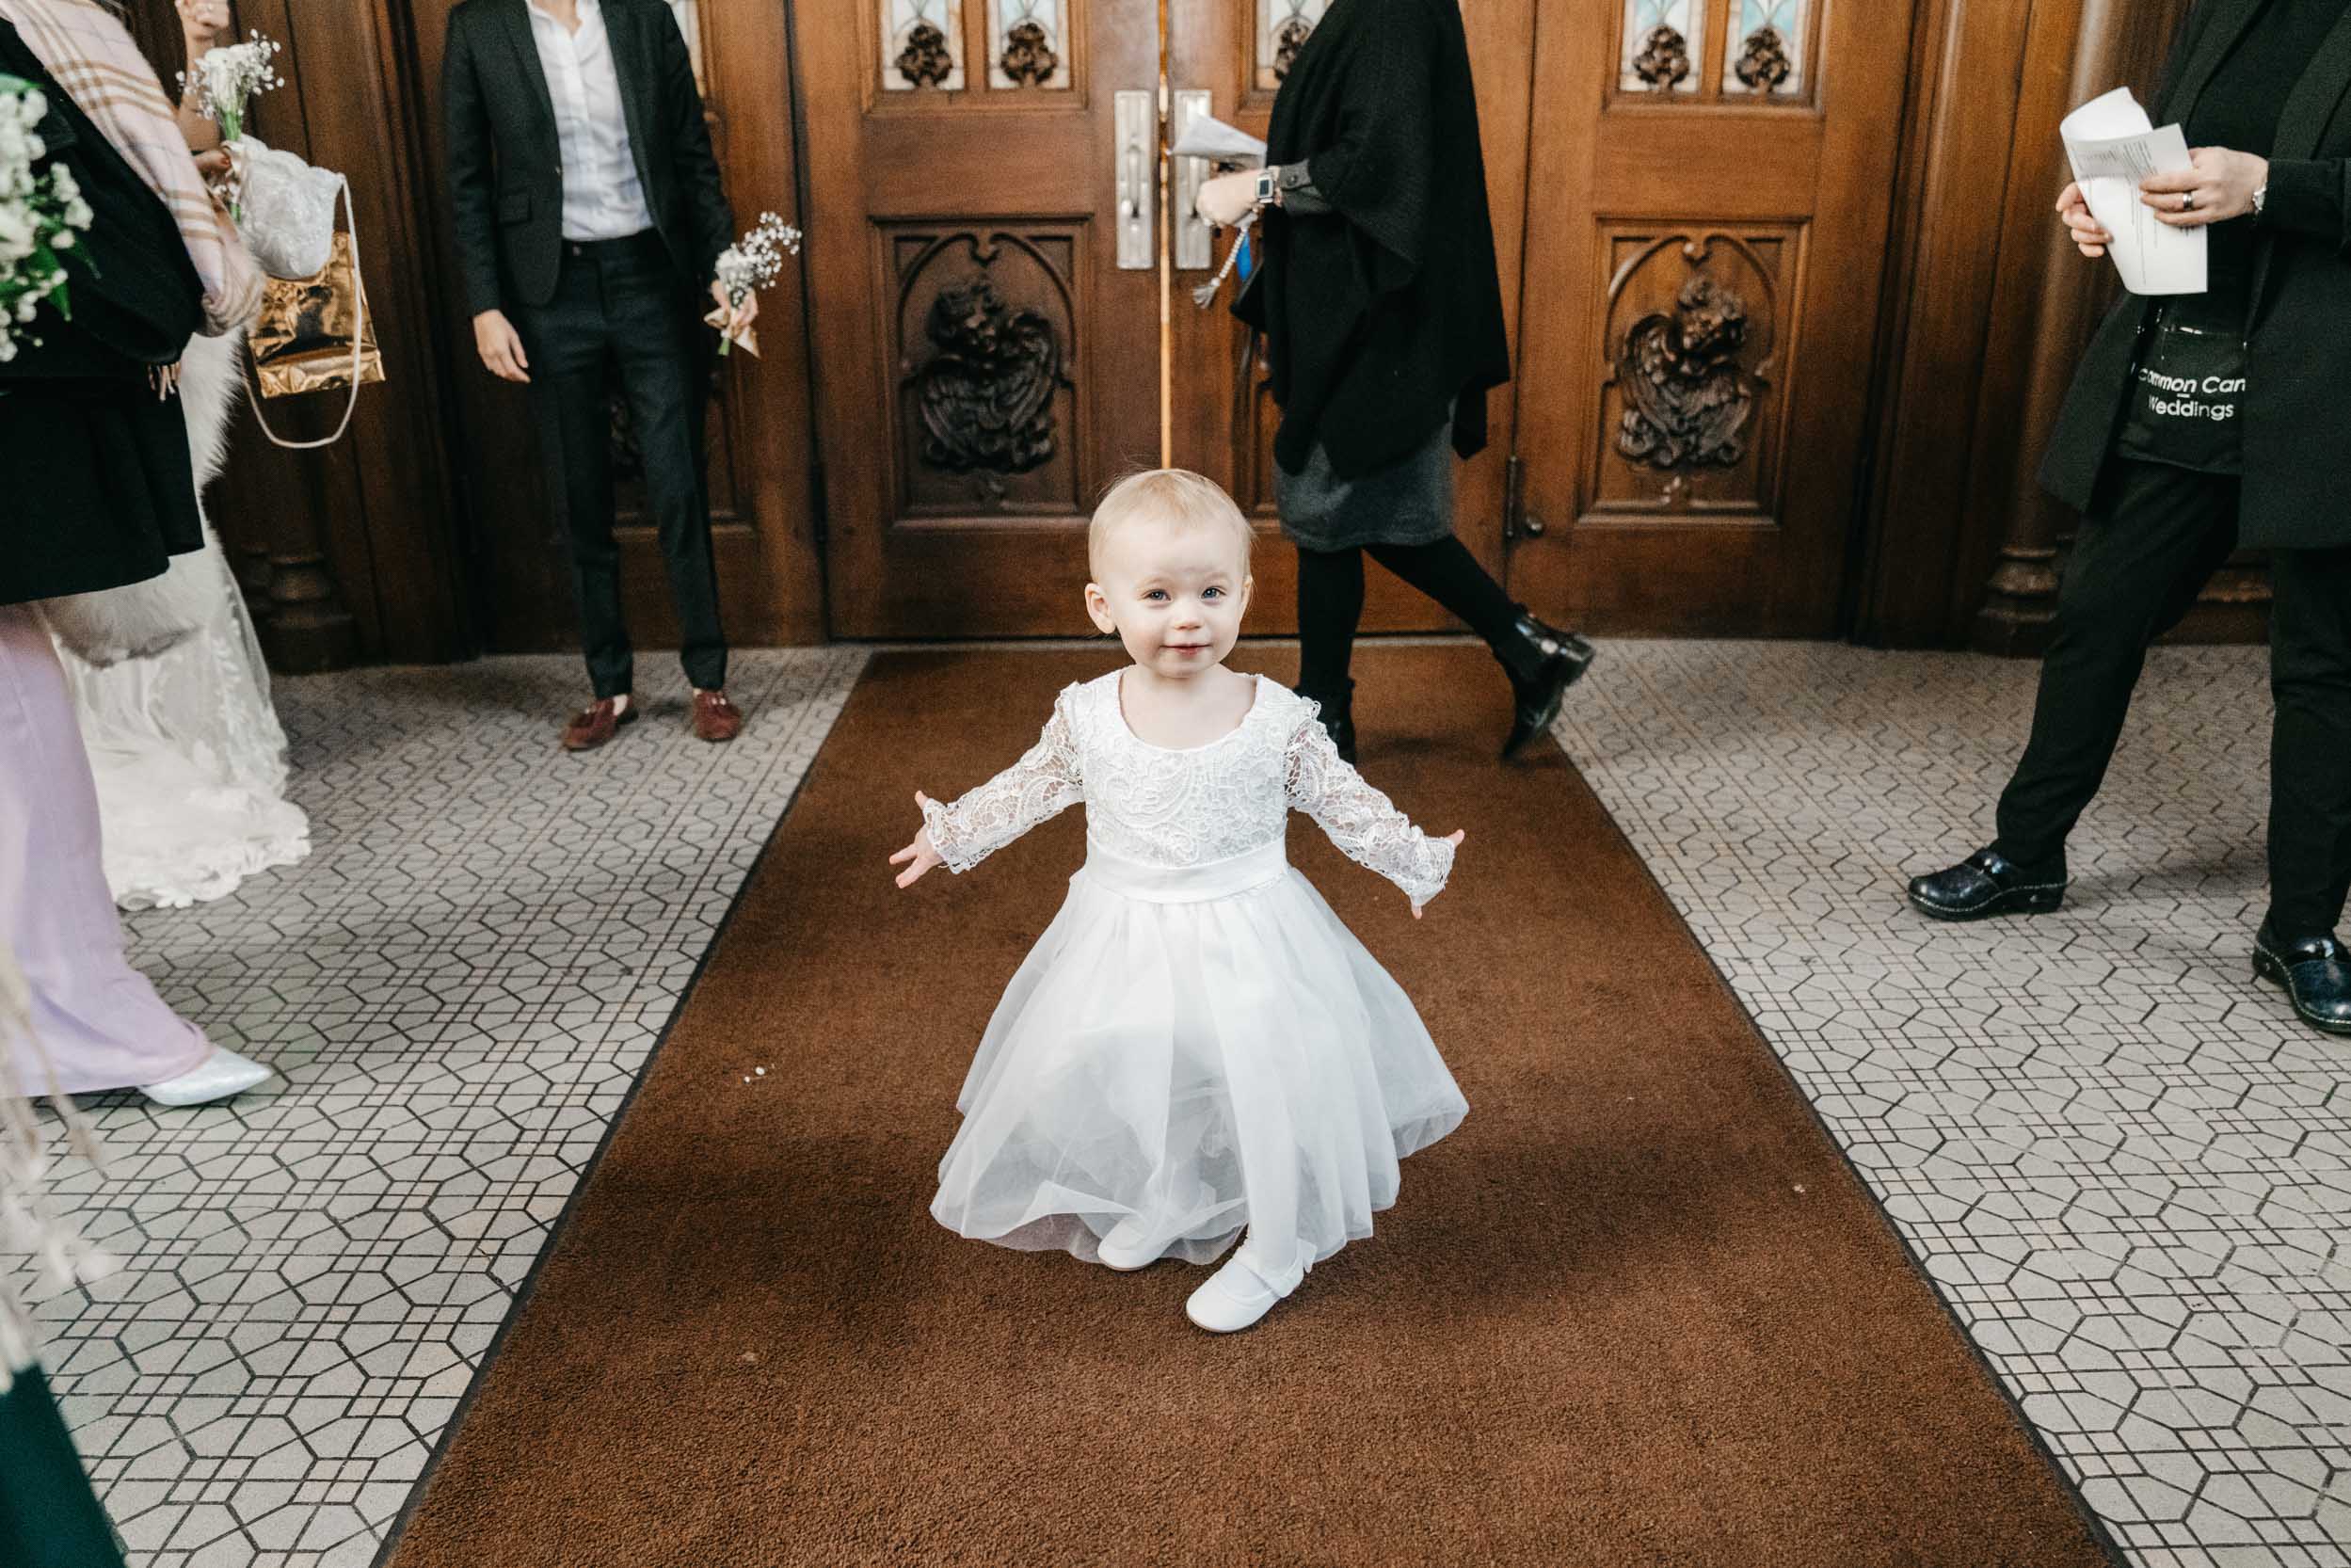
2297 399
506 174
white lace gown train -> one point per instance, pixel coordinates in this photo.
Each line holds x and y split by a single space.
186 749
1196 1041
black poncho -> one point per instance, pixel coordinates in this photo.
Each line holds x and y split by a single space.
1380 313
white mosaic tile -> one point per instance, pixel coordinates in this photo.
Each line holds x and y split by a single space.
459 987
2123 1162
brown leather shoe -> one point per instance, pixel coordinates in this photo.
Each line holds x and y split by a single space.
715 718
595 723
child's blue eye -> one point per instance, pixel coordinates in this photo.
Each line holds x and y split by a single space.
1213 592
1156 593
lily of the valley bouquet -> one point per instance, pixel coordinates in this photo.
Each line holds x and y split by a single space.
41 213
226 79
753 262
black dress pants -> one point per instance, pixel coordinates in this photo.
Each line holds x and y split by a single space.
620 307
1330 606
2151 540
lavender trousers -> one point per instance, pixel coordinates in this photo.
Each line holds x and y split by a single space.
100 1024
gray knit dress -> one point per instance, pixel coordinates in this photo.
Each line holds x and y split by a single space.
1409 502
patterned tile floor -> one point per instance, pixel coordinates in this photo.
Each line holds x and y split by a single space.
2124 1163
459 987
2128 1171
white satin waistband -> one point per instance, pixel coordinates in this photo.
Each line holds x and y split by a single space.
1214 879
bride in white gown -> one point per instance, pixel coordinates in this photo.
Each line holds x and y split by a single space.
188 753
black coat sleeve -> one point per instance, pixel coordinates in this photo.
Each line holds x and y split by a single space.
1375 172
714 222
2310 197
465 123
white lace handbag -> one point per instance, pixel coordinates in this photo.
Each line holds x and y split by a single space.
286 213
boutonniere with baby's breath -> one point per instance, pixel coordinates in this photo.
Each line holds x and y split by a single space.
41 212
753 262
227 78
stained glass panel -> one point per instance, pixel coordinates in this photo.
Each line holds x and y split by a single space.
921 44
1282 26
1664 41
1029 47
1766 57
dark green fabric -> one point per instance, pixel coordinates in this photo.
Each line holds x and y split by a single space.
49 1517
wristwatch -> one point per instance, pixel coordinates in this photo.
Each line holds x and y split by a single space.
1269 192
2260 199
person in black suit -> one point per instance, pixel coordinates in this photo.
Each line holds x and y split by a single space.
2172 481
587 203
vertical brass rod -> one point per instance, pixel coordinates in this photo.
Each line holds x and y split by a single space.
1167 270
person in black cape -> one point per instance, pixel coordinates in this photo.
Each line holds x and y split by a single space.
2234 445
1381 310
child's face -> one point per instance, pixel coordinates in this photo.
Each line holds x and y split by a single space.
1174 592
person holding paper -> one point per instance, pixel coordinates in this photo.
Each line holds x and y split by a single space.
2196 425
1382 311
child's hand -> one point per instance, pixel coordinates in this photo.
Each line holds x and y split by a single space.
922 853
1455 840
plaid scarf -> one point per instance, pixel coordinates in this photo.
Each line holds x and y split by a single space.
94 59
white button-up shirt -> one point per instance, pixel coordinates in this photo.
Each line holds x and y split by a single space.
602 198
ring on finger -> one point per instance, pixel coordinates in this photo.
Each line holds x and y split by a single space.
2187 202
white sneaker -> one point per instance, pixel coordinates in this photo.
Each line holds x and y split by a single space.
217 1076
1128 1247
1238 1295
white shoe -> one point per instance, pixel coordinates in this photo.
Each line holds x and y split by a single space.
1128 1247
220 1075
1238 1295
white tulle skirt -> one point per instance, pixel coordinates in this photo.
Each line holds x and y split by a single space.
1207 1049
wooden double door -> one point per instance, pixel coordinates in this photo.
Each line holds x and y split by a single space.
1690 201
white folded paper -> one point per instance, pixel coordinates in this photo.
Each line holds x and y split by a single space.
1210 137
2112 146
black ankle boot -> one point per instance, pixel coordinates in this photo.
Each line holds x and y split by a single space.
1542 664
2315 974
1338 717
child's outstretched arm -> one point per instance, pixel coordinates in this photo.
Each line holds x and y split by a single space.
1362 821
1041 785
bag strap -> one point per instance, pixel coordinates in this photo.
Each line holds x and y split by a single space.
358 340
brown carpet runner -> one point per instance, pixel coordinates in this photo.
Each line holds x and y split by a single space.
1637 1310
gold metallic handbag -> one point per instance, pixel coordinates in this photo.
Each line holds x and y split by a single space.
314 335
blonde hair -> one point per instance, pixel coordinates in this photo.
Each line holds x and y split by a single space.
1173 494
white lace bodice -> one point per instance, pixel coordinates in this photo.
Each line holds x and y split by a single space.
1188 808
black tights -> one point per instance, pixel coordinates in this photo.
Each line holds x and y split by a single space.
1329 605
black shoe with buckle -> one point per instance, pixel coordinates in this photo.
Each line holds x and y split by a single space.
1988 883
1339 718
2316 977
1543 666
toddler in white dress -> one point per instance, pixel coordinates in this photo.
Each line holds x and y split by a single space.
1196 1045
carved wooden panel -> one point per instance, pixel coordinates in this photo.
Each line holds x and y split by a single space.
985 343
922 45
1699 327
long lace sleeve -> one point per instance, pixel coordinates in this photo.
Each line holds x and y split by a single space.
1043 784
1362 821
